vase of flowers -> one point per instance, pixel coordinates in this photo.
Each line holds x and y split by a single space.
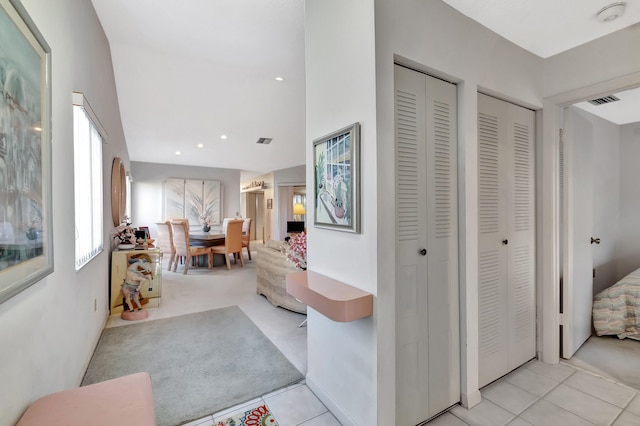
206 222
125 236
33 229
296 250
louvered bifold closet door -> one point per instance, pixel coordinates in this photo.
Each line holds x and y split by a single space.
492 230
427 317
521 253
442 246
506 237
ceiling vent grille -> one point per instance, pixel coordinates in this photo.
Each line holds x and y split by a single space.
264 141
603 100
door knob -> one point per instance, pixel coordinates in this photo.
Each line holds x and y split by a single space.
505 242
423 252
595 240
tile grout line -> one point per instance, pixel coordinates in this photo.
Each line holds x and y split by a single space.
558 383
608 379
600 399
578 415
454 415
547 392
314 417
526 366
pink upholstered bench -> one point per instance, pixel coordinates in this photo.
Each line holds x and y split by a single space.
125 400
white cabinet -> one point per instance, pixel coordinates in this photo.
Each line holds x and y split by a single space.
151 289
506 238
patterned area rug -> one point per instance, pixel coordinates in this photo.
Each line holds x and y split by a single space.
256 416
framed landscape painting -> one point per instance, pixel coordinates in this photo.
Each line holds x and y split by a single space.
336 162
26 235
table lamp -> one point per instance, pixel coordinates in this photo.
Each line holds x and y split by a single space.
298 210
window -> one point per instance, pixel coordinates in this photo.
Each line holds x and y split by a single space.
88 141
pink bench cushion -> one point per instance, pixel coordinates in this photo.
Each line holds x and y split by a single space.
125 400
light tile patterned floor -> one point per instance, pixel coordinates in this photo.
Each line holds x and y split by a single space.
295 405
547 395
535 394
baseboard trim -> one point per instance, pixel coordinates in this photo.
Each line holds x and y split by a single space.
94 346
335 409
470 400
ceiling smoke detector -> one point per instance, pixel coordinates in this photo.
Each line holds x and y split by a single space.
264 141
611 12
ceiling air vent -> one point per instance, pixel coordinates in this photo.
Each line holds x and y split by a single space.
603 100
264 141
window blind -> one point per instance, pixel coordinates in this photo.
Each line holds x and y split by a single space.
88 187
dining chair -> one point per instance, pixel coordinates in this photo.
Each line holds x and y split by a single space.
178 259
165 241
184 247
246 235
232 242
225 222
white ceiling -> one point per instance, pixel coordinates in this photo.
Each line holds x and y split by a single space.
549 27
188 72
546 27
624 111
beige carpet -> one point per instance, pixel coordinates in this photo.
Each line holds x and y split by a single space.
203 289
611 357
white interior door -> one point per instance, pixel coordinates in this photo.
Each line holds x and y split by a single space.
577 282
427 306
506 237
492 232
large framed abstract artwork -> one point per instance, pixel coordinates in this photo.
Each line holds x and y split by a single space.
26 235
336 162
193 199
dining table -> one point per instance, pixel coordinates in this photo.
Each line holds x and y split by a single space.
212 238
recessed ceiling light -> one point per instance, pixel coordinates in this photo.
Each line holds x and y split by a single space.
279 78
200 145
611 12
178 153
223 136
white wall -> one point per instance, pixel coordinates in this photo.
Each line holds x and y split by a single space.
628 248
600 60
147 189
340 87
290 175
432 37
284 177
48 332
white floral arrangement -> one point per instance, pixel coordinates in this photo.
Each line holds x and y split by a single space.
36 221
205 220
125 234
